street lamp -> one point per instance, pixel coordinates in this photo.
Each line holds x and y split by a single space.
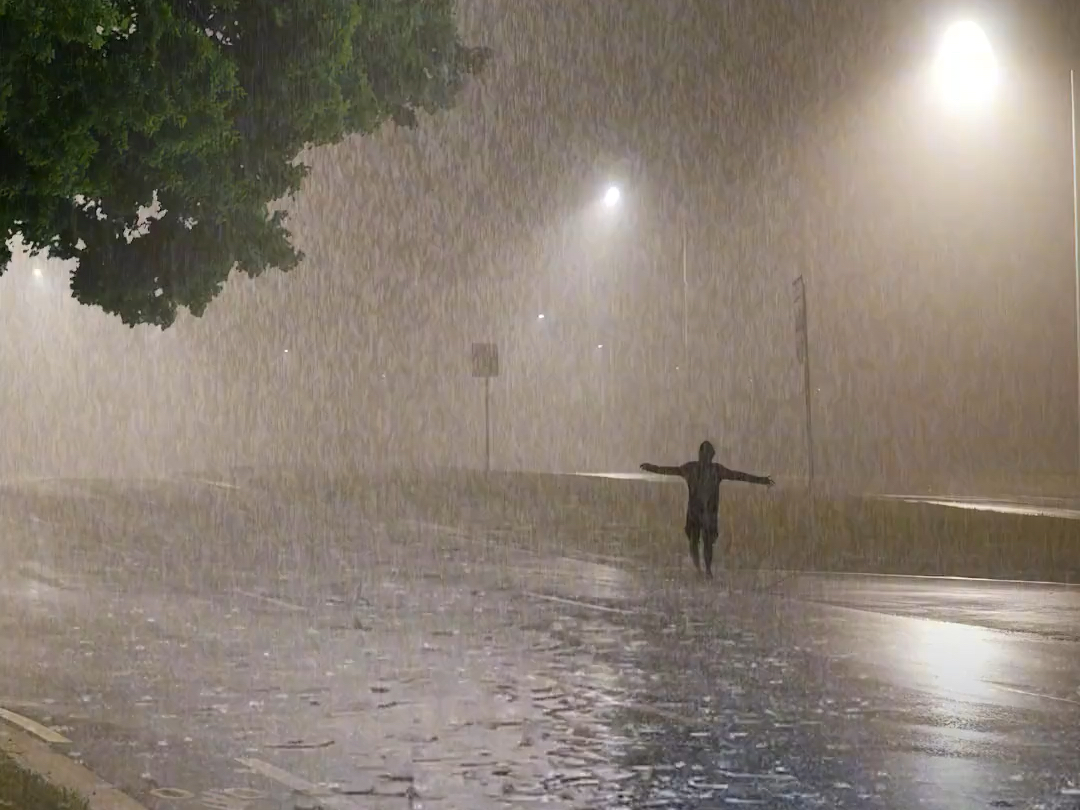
612 196
966 68
967 73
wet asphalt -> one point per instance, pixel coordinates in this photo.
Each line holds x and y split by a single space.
204 645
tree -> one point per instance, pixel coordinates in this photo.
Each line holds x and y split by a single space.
195 110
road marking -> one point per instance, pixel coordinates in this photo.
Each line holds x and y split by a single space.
38 730
279 602
1035 694
64 772
577 603
294 782
218 484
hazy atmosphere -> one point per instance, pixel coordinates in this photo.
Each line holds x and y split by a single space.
782 138
476 404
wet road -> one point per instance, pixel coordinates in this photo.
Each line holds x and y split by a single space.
206 645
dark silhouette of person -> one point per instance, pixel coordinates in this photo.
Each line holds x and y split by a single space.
703 479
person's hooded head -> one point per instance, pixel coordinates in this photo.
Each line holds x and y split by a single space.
706 452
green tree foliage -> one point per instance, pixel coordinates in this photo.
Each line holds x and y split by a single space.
197 110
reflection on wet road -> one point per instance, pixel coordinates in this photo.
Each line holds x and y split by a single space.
795 703
1045 507
392 659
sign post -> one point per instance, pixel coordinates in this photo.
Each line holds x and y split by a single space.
802 353
485 364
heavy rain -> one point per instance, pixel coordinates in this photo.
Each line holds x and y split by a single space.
644 404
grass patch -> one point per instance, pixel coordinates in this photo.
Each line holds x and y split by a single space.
21 789
775 529
642 521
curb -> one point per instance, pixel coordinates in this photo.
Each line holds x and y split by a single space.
63 772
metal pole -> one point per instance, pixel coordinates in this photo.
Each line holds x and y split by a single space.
487 424
1076 249
687 381
685 319
603 400
804 324
809 410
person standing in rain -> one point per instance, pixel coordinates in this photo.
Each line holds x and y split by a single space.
703 479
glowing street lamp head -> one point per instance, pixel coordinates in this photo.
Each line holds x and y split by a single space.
966 69
612 196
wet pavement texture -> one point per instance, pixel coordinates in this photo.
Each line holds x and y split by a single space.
202 646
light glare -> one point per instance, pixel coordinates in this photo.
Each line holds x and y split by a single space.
966 69
612 196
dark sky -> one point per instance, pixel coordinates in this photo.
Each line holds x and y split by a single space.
785 138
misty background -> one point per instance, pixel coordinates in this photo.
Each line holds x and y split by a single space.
785 138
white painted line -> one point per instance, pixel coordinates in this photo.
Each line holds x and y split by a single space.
218 484
38 730
294 782
271 600
1035 694
576 603
63 772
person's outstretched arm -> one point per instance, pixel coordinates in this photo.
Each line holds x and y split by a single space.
749 478
658 470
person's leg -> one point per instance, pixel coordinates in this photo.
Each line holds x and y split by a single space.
693 532
708 539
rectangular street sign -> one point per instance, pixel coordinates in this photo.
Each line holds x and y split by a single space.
485 360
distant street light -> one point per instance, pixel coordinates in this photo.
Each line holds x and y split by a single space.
966 69
612 196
